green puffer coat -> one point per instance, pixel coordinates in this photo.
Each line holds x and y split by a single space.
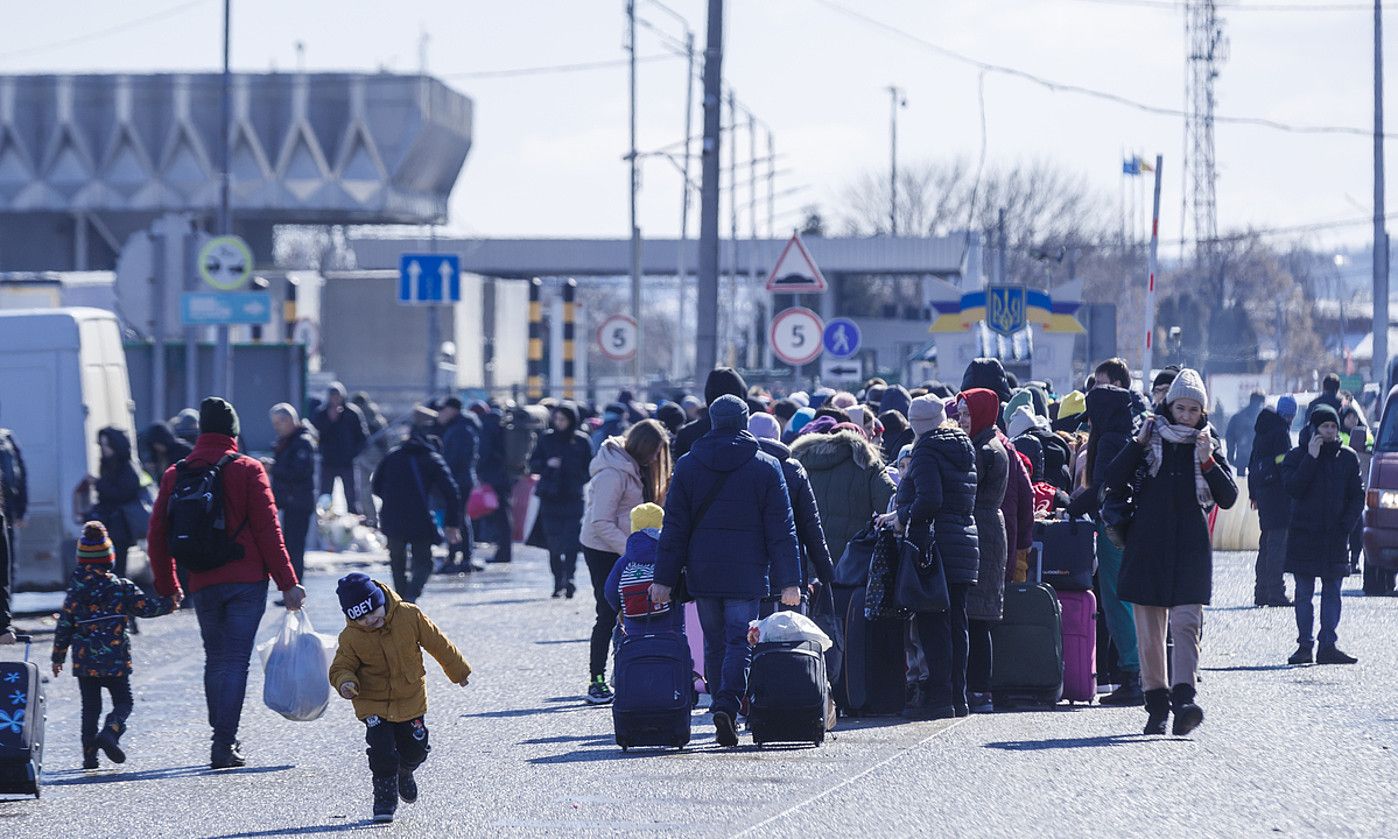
849 480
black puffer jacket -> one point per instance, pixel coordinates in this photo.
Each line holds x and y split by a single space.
1269 448
410 481
563 484
809 534
1169 559
1327 498
939 493
1109 409
293 471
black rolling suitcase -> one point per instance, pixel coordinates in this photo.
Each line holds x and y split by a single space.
654 691
788 693
21 725
873 680
1028 643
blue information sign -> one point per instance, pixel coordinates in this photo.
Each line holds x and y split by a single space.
216 308
429 278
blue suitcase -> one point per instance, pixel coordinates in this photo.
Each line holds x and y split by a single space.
654 691
21 725
1068 551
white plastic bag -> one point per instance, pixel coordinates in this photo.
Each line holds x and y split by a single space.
791 626
296 669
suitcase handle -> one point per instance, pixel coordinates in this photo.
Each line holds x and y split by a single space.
27 641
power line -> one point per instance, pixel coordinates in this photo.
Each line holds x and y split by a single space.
102 33
552 68
1063 87
1178 5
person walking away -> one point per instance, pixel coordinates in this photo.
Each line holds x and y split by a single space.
406 482
1241 432
378 667
1354 432
729 527
1167 567
936 504
343 434
721 381
293 471
490 469
1327 498
1271 442
1109 411
461 434
375 448
92 623
985 602
562 459
230 589
628 471
119 506
628 585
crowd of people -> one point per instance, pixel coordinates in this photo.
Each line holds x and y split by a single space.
738 501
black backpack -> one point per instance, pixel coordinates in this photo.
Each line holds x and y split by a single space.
197 534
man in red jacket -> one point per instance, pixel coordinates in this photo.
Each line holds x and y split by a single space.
229 600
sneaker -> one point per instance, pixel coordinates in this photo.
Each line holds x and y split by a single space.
981 703
385 797
1333 655
407 786
724 730
107 742
598 693
1302 655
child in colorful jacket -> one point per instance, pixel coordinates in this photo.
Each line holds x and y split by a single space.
93 622
379 667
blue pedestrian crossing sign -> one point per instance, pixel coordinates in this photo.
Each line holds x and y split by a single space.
429 278
841 337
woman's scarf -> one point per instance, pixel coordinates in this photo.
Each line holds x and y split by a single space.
1184 435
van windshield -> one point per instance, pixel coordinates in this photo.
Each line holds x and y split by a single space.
1388 431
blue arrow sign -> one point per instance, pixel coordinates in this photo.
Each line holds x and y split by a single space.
841 337
214 308
429 278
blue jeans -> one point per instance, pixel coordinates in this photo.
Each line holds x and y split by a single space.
228 617
1121 624
726 651
1329 609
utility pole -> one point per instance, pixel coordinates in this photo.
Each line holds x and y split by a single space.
896 100
681 269
1379 370
730 334
637 364
706 334
223 356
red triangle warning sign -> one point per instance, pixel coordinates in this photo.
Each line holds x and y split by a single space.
795 271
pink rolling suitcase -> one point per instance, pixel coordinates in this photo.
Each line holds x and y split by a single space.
1079 645
695 632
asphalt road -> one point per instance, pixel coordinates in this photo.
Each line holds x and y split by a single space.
1300 751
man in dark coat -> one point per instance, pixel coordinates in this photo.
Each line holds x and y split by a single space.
1329 395
1327 498
1241 431
405 483
1272 440
461 433
729 526
490 469
561 460
293 473
721 381
343 433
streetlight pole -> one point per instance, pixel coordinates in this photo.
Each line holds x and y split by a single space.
637 364
1379 370
682 269
223 355
706 334
897 100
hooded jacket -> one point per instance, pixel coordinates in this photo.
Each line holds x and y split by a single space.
987 373
159 433
386 663
1018 506
1271 442
1327 499
118 484
460 449
248 503
896 398
562 484
937 498
93 621
294 469
745 546
343 438
810 532
986 601
723 381
615 488
490 465
637 566
1109 410
849 482
410 481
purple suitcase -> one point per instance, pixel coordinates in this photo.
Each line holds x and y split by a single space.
1079 645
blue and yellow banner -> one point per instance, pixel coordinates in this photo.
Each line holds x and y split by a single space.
1041 312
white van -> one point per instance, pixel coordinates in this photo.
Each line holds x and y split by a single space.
62 377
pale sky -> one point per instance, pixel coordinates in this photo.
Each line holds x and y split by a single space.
547 159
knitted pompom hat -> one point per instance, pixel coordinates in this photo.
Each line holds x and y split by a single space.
95 547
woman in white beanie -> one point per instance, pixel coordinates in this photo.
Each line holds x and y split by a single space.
1167 568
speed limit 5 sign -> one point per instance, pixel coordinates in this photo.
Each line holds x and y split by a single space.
616 338
796 335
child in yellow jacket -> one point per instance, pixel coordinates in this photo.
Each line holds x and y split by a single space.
379 667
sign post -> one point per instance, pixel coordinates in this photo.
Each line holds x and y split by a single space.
1151 266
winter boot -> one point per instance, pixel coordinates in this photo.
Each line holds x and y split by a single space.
1188 716
1331 655
1302 655
90 757
1158 706
385 797
407 786
108 742
227 757
1128 694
